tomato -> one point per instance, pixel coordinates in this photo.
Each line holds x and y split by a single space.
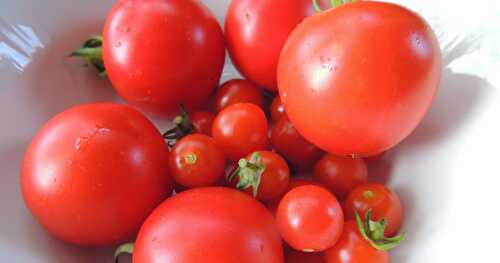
340 174
263 173
295 182
384 203
256 31
161 53
202 121
196 161
211 225
288 142
352 248
294 256
82 171
310 218
238 91
363 90
277 109
240 129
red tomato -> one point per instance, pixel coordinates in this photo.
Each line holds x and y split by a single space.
256 31
82 171
240 129
202 121
196 161
210 225
295 182
352 248
340 174
294 256
161 53
277 109
385 204
310 218
238 91
288 142
363 90
263 173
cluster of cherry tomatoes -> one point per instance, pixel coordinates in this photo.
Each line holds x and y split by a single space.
256 176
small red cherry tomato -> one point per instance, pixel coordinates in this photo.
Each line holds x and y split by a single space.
202 122
238 91
263 173
340 174
383 202
196 161
240 129
295 182
277 109
288 142
310 218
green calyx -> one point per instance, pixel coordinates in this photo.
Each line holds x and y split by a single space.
333 3
249 173
127 248
183 127
91 51
373 232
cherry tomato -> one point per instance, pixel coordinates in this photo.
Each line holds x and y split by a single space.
202 121
363 90
82 171
352 248
383 202
238 91
210 225
256 31
240 129
295 182
159 54
294 256
310 218
277 109
196 161
288 142
263 173
340 174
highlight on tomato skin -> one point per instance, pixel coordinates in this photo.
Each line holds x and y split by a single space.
238 91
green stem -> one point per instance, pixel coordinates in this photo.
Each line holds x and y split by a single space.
249 173
183 127
373 232
91 51
127 248
316 6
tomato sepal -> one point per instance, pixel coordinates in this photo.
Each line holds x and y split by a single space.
182 127
127 248
249 173
91 51
373 232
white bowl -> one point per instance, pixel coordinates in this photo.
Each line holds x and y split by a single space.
445 172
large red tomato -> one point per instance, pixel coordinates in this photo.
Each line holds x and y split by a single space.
210 225
93 173
256 31
161 53
359 78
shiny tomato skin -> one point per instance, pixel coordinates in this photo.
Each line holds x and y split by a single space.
210 225
309 218
352 248
82 171
287 141
256 31
202 121
196 161
294 182
340 174
277 109
241 129
161 53
294 256
238 91
385 204
359 89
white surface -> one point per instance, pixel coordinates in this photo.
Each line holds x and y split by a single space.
445 172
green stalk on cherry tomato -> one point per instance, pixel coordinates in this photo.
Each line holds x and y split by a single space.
373 232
